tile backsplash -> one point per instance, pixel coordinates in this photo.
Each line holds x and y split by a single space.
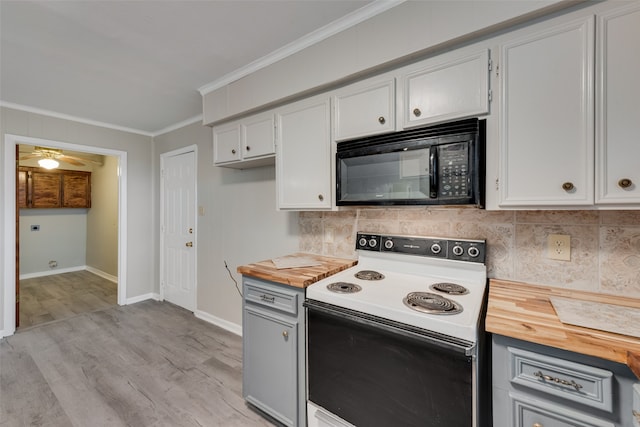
605 245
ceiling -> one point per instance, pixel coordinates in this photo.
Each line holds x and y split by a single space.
138 65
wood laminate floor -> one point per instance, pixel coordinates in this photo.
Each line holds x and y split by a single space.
146 364
48 298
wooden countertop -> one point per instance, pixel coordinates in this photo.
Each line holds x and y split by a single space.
522 311
299 277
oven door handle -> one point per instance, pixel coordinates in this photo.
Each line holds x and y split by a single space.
457 345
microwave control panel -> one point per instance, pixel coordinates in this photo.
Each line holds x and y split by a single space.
453 171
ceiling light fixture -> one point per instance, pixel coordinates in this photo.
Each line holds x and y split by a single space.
48 163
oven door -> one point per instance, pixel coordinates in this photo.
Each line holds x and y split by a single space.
374 372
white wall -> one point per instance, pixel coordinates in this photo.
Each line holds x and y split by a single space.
141 268
240 222
102 218
62 238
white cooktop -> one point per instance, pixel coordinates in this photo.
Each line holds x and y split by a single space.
405 274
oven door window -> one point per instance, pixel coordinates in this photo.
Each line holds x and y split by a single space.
370 376
397 175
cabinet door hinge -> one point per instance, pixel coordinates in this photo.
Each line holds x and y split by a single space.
490 64
497 184
497 70
490 95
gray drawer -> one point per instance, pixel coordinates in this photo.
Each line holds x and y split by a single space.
266 296
562 378
529 412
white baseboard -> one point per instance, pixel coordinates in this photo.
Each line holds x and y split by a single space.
102 274
52 272
224 324
144 297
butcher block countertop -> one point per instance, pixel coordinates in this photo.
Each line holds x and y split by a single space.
299 277
525 312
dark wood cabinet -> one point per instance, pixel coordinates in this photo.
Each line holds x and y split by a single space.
39 188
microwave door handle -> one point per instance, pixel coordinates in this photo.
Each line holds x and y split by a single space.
433 172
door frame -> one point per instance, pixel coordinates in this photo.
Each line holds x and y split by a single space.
163 158
9 247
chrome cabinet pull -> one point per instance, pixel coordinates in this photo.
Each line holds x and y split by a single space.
189 244
267 298
382 120
248 148
417 112
625 183
233 151
320 197
557 380
537 425
285 334
568 186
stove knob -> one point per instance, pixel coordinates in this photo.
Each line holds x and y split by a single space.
436 248
388 244
362 241
373 243
473 252
457 250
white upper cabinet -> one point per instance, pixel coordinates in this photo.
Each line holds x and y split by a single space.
365 108
618 107
303 159
447 87
546 115
226 143
245 143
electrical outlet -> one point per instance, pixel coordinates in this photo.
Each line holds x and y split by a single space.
559 247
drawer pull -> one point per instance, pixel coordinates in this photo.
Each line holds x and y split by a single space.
538 425
267 298
571 383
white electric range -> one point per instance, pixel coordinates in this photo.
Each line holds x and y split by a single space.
411 304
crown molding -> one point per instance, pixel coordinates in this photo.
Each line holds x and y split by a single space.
178 125
72 118
310 39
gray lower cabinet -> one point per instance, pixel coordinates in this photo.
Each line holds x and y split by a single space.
540 386
273 373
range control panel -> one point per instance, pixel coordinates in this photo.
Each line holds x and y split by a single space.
433 247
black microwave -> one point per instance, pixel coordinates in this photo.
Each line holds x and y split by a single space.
441 164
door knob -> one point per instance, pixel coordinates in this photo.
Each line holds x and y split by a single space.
189 244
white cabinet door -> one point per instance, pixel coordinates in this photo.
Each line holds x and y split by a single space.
258 136
365 108
447 87
618 107
226 143
547 118
303 155
245 143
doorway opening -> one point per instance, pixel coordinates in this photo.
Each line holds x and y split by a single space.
67 233
11 250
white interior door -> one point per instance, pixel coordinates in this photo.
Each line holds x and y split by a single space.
178 228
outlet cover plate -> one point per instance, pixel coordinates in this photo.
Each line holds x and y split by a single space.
559 247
